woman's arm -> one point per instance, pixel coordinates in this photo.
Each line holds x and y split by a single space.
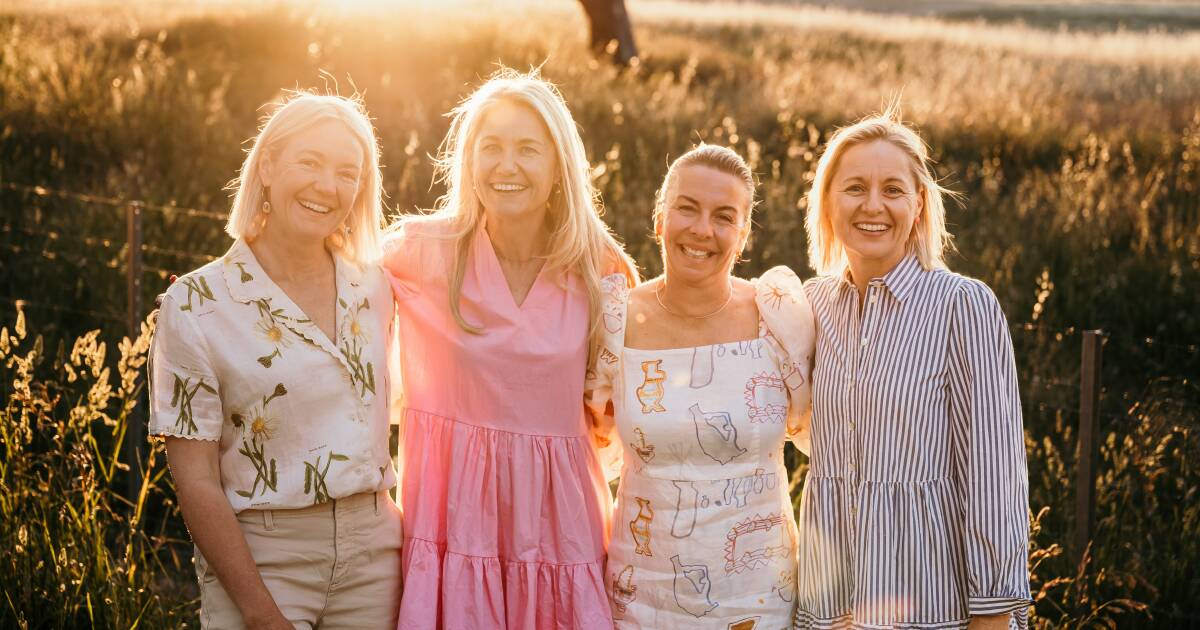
214 529
989 456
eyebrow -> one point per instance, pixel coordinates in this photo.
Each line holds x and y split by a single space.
320 155
858 178
694 202
528 140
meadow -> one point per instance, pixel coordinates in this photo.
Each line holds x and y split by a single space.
1077 153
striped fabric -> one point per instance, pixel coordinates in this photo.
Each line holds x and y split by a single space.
915 511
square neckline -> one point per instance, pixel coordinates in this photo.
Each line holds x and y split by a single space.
762 333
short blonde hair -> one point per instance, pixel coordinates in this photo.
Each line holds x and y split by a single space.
580 242
826 254
301 110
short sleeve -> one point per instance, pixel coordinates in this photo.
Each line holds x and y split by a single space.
184 398
791 333
602 373
401 260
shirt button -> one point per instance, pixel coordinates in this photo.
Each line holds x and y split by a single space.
864 342
874 299
851 425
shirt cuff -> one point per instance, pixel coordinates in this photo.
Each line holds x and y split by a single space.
996 605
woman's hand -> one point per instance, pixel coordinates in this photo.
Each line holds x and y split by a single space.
274 621
989 622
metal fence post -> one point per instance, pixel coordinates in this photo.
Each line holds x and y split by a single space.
1089 445
134 425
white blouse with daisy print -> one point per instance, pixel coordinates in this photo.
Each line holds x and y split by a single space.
300 419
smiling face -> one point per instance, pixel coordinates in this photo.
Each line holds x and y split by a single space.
313 180
704 223
874 201
513 160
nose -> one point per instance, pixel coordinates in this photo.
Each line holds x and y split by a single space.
326 182
508 162
701 228
874 201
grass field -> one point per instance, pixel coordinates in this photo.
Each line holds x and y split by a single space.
1077 151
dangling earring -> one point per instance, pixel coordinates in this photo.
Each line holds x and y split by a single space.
266 204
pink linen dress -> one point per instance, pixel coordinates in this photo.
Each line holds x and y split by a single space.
505 507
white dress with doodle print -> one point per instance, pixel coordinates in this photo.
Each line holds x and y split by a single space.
703 532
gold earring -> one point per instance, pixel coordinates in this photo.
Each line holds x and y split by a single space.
266 204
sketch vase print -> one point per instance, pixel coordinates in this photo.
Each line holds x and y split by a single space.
710 537
650 394
640 527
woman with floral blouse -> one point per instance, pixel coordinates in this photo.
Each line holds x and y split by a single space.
498 294
269 385
915 509
706 376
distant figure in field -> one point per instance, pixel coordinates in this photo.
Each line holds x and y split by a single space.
611 32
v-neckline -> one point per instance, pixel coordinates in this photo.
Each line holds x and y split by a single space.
338 291
493 261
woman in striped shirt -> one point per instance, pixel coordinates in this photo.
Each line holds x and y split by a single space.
915 510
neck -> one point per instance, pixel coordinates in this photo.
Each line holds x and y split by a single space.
694 298
862 271
291 260
518 239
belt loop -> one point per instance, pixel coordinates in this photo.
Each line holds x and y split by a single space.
269 520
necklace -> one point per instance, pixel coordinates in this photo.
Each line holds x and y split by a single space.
658 296
519 261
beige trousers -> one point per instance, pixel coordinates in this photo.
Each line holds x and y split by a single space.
329 566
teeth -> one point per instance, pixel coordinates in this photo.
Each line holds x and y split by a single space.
507 187
694 253
871 227
316 207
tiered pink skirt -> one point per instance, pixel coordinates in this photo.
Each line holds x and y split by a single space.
502 529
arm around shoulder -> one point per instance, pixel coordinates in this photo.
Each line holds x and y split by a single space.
603 372
788 316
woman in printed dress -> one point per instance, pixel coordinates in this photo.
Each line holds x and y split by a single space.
498 292
915 508
706 377
268 383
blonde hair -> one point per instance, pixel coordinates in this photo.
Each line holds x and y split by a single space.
826 254
580 242
299 111
720 159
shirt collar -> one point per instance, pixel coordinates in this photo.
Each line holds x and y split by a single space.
249 283
899 281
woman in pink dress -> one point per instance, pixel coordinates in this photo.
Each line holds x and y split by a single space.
498 295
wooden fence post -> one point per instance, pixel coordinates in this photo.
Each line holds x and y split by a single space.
135 430
1089 445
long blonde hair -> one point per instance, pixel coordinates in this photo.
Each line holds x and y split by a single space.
930 240
299 111
580 242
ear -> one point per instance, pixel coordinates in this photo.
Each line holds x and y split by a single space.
266 168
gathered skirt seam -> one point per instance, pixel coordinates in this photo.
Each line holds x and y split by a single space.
442 547
492 429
